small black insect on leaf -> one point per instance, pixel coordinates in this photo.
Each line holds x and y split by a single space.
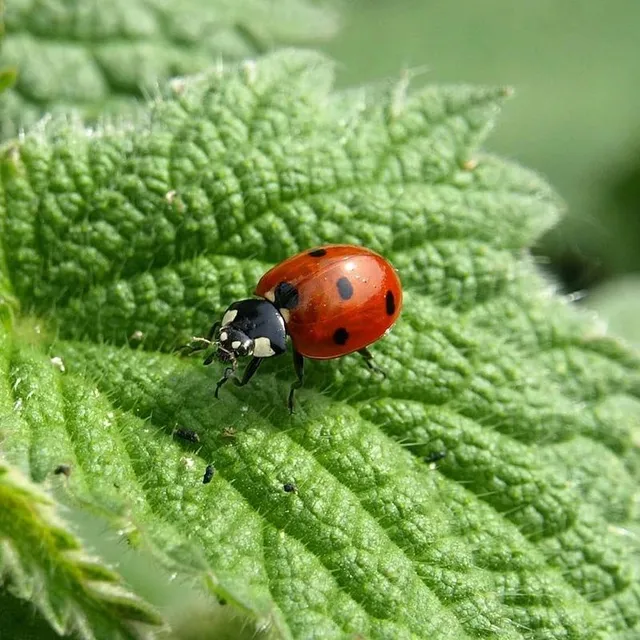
435 456
63 469
187 434
208 474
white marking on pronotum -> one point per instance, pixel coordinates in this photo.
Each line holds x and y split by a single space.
235 344
285 313
223 336
270 295
229 317
262 348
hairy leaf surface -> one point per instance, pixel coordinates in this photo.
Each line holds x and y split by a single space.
120 245
100 58
41 561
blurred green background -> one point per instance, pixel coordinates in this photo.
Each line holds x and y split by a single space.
575 118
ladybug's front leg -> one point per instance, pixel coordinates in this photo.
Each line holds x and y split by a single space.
298 365
252 367
228 373
250 370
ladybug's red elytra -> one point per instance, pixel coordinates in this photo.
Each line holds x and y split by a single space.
329 301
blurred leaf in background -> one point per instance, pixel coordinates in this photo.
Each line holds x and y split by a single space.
191 614
20 620
43 562
621 208
576 69
618 304
100 58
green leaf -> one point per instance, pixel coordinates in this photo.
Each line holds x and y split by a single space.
41 561
121 244
100 58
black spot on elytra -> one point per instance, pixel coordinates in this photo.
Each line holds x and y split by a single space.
390 303
318 253
345 288
286 296
341 336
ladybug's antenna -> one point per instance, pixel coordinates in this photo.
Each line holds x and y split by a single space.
195 345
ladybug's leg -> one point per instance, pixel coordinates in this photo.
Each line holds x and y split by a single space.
228 373
199 344
298 365
210 358
368 360
251 368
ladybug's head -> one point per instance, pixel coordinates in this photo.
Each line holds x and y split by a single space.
251 327
231 344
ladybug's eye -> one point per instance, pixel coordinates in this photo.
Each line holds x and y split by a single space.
245 348
233 343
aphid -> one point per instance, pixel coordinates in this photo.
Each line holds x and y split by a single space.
63 469
187 434
330 301
290 487
435 456
208 474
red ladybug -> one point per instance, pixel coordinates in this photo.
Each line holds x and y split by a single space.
330 301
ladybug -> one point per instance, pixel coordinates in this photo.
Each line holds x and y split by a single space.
329 301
